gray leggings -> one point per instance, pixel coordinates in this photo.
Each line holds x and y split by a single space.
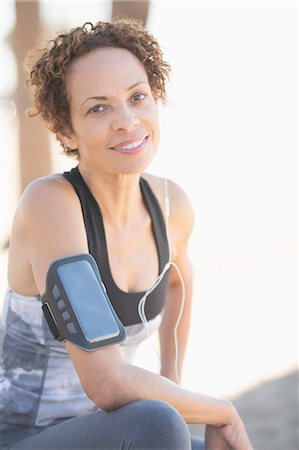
144 424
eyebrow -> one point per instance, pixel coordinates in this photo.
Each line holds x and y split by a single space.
96 97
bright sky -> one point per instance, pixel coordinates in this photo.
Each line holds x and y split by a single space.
229 138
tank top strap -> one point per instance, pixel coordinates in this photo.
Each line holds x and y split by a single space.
92 218
158 224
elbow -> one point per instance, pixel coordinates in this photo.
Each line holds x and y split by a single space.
109 393
103 376
107 401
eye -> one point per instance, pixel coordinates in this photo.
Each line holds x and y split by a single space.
97 109
138 97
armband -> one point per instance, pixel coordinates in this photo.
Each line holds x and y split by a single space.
76 305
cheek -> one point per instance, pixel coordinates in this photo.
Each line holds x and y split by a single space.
153 120
157 136
92 131
156 127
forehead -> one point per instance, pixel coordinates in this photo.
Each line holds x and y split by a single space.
104 71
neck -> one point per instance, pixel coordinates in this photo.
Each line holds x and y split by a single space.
118 195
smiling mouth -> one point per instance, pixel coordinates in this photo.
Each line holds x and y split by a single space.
132 147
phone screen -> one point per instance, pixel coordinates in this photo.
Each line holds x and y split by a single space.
88 301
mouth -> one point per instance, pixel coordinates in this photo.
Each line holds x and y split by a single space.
131 146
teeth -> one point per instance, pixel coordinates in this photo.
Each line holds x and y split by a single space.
131 146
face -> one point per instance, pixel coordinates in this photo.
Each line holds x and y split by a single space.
113 113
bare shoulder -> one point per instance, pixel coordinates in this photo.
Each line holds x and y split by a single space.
175 191
49 204
180 207
45 192
51 198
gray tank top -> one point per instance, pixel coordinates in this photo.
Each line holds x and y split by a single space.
39 385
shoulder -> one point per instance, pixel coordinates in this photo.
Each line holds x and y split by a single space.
181 213
161 185
49 203
44 195
48 187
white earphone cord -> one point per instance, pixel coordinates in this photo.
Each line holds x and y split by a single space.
141 305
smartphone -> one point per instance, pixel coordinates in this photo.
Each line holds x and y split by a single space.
88 300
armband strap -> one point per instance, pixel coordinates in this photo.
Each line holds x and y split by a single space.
76 305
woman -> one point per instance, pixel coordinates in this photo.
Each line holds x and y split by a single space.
97 89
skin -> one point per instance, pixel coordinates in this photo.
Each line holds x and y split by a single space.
49 225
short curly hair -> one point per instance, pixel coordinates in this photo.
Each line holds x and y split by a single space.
47 72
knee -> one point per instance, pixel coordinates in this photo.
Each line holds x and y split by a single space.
160 426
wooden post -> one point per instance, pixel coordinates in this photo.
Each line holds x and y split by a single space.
34 147
137 9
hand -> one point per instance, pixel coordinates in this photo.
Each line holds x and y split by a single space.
231 436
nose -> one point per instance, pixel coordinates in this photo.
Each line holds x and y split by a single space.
124 119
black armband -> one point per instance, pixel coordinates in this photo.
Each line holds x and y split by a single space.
76 305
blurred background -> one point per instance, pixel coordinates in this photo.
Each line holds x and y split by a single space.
229 138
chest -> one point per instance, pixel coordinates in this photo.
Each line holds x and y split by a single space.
133 257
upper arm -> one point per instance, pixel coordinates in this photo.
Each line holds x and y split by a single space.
181 223
52 225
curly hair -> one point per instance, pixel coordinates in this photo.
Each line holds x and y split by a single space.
47 72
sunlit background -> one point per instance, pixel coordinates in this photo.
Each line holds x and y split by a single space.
229 138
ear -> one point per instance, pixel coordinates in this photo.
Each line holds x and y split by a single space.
68 138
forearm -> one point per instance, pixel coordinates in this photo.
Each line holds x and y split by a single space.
110 382
138 384
225 429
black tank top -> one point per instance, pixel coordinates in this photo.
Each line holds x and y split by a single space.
124 303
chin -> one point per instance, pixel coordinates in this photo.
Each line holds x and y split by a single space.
138 165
